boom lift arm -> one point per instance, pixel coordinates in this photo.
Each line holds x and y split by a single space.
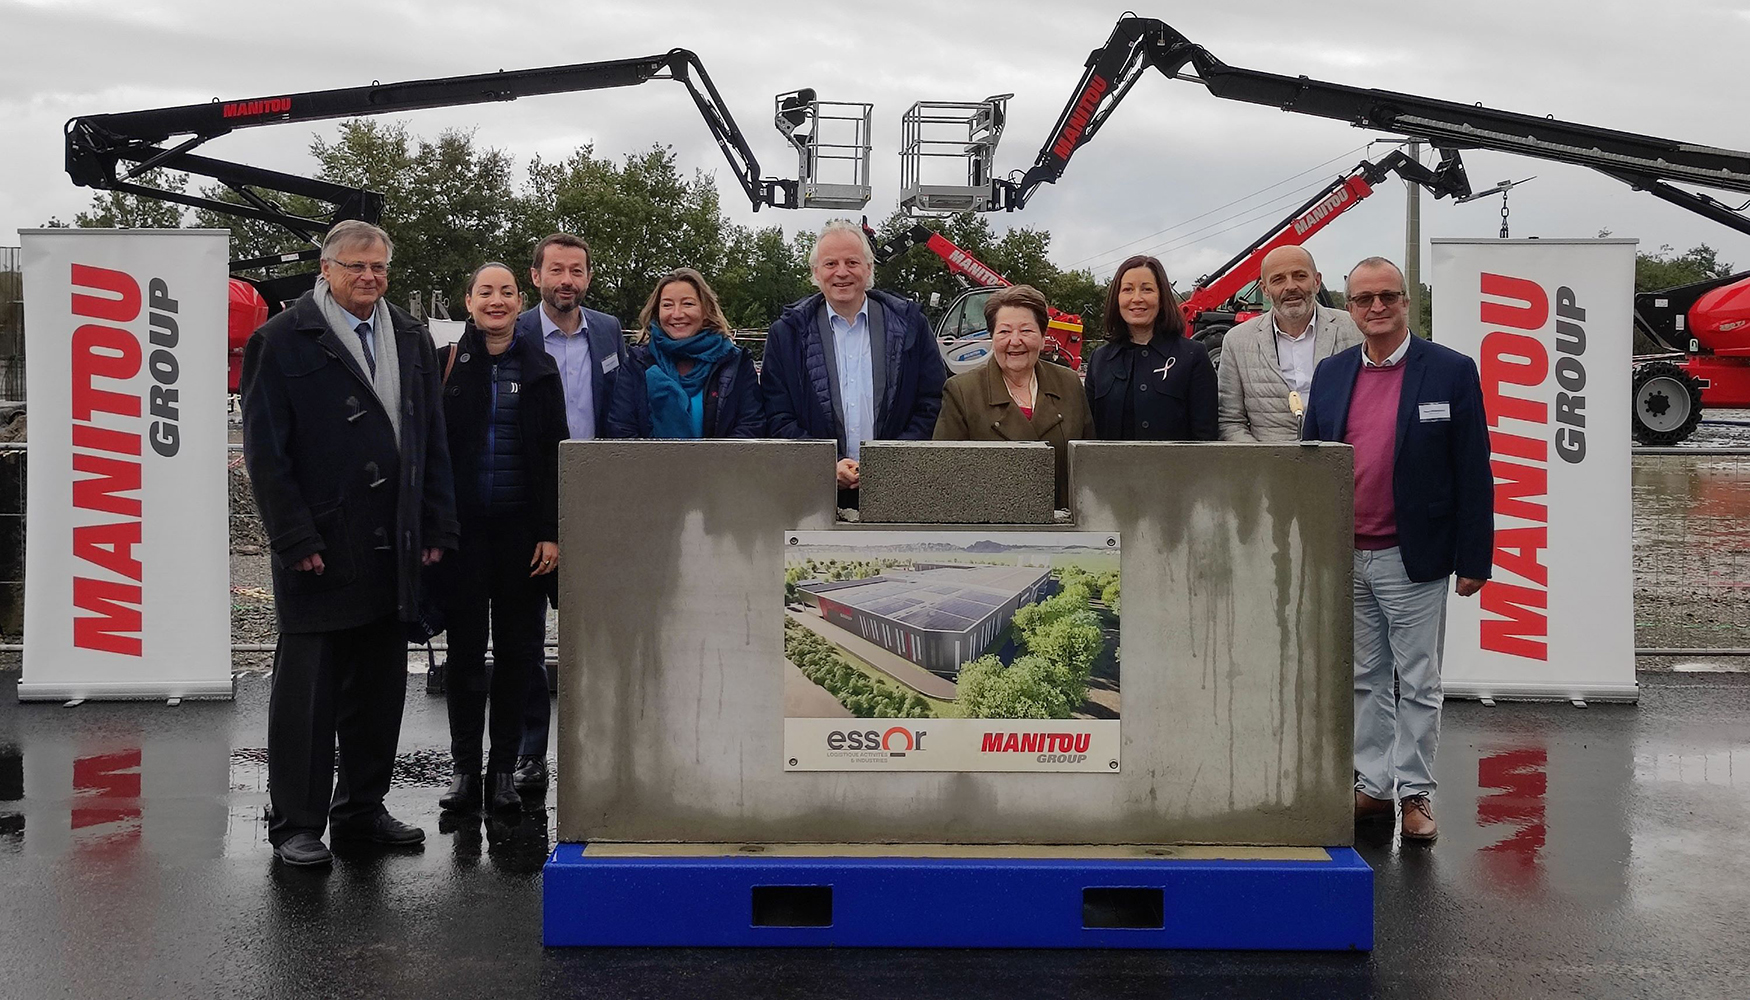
1139 43
112 151
1447 179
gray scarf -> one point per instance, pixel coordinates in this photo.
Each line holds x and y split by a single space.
387 385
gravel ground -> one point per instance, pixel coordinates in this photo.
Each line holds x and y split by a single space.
1691 550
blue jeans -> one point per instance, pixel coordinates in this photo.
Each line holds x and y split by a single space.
1399 629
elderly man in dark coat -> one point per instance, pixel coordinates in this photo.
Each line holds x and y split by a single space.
343 435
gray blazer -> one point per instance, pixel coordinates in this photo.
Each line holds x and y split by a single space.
1253 404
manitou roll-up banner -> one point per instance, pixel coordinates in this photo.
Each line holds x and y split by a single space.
1550 325
127 574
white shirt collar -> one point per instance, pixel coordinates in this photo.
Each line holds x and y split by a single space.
1311 326
839 322
1396 356
549 328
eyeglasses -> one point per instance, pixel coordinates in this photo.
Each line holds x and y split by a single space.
355 268
1365 300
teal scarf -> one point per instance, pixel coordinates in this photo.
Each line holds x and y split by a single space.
676 409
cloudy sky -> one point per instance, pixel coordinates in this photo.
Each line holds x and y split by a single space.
1175 172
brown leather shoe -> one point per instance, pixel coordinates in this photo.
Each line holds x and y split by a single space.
1368 808
1419 819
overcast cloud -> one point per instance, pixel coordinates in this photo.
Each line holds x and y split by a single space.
1169 154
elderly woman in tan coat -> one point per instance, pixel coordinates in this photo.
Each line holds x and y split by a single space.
1016 396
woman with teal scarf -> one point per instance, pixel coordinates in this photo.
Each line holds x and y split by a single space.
688 379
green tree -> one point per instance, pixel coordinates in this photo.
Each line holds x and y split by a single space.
1025 689
762 273
1666 268
640 217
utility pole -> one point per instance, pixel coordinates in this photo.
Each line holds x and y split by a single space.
1413 243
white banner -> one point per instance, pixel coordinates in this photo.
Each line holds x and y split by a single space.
127 573
1550 325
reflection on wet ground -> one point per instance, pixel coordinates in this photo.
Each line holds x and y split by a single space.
1692 551
1597 852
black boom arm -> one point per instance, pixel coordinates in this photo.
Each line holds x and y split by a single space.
1139 43
111 151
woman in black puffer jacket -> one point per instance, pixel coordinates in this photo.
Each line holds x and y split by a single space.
504 413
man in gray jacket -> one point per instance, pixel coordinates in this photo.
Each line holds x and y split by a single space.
1267 362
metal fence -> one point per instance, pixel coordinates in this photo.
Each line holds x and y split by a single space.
11 325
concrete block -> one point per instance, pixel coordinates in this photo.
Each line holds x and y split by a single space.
957 482
1236 643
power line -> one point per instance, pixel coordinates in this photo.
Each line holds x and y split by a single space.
1106 253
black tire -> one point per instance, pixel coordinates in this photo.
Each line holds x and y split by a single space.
1666 401
1211 337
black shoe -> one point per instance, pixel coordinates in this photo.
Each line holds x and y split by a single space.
384 830
503 796
531 773
303 849
463 794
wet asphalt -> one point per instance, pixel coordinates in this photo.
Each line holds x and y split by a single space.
1597 852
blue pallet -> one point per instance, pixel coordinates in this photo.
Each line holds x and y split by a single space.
893 902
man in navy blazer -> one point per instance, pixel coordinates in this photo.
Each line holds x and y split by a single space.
1424 510
850 363
591 352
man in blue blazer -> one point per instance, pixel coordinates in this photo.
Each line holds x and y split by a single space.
591 352
1424 510
850 363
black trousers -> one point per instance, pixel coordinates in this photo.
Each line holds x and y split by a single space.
347 685
513 606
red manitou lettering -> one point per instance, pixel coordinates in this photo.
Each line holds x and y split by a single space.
992 743
1522 781
121 304
110 546
104 352
1532 310
1522 631
1513 358
110 602
1513 483
1083 741
1012 744
1078 119
1032 742
114 476
1519 446
1516 550
106 789
104 439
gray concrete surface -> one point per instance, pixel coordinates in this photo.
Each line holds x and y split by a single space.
957 482
1236 679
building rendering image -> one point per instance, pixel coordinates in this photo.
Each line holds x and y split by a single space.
937 615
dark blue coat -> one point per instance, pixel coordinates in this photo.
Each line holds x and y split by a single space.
1441 481
732 399
607 355
797 386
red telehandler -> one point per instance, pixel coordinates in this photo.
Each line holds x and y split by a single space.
111 151
960 330
1707 324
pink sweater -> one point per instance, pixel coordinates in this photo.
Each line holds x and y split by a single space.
1373 431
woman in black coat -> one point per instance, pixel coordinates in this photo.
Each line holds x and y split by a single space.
687 378
504 413
1149 382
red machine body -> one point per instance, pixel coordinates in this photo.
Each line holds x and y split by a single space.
246 312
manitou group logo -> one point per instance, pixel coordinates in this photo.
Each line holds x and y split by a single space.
895 742
1051 748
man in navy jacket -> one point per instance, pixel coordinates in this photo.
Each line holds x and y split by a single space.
849 363
591 352
1424 510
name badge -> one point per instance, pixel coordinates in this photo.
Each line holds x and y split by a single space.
610 363
1434 411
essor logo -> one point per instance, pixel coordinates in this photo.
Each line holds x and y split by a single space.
1052 748
897 741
